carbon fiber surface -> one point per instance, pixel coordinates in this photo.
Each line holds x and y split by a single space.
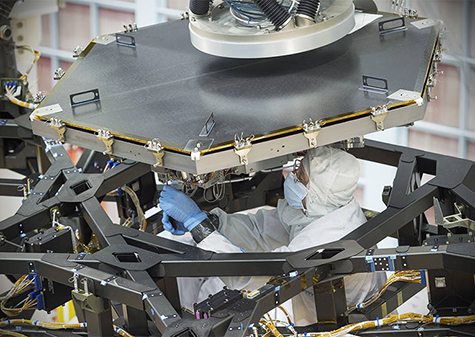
166 89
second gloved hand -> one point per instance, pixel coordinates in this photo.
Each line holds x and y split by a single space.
167 225
181 207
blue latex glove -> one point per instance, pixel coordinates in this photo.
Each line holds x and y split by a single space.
167 225
181 207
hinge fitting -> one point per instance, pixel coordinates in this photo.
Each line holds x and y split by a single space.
379 114
242 146
60 128
311 130
107 139
156 148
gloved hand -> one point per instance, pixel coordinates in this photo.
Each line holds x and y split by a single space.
167 225
181 207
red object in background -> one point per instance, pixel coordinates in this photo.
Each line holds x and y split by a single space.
74 152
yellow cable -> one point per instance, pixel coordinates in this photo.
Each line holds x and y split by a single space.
11 333
413 276
16 101
285 313
55 326
404 318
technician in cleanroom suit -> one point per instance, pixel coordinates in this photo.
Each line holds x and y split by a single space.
319 207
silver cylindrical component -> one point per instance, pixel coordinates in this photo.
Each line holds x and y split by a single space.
5 32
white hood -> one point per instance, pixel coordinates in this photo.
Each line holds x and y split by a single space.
333 177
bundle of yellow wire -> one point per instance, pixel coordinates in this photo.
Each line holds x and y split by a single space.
14 100
405 276
51 326
21 285
271 329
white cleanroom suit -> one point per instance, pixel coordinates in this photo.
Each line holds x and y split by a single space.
331 212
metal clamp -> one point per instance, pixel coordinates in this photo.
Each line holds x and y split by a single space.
59 126
311 130
379 114
242 146
130 27
77 52
431 81
453 220
429 95
58 74
156 148
195 153
107 139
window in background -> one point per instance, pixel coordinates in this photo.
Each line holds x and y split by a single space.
433 143
74 26
445 110
178 4
471 90
112 20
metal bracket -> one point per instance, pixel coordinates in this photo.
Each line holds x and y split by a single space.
454 220
210 123
59 126
379 114
242 146
156 148
407 95
31 268
85 97
378 89
195 153
311 130
125 40
107 139
196 146
400 28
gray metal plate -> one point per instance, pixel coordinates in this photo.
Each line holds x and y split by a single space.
166 89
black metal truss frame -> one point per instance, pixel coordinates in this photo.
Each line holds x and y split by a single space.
149 284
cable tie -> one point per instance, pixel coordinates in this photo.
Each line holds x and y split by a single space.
359 305
437 319
377 321
117 329
35 322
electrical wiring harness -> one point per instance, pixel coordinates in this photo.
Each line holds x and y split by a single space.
10 89
31 301
12 86
50 326
414 276
270 327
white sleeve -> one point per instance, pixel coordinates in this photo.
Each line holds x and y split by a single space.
247 233
260 232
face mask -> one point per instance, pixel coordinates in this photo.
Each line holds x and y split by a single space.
294 191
